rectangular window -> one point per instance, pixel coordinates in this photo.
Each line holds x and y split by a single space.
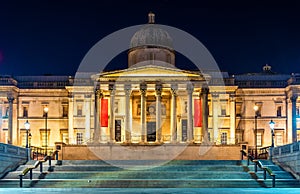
64 136
79 138
239 137
116 107
79 110
23 138
259 139
25 111
223 109
298 135
65 111
297 111
43 139
279 111
224 138
278 139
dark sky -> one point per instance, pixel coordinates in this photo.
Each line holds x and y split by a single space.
52 36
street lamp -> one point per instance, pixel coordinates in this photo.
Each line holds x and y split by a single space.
27 127
46 132
255 129
272 124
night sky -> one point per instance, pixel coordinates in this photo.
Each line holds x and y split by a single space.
52 37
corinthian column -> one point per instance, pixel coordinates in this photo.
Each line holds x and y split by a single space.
97 109
204 96
112 114
173 114
143 89
87 111
294 119
232 119
158 89
127 113
190 90
10 99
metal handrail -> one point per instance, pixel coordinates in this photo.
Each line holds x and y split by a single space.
260 165
36 165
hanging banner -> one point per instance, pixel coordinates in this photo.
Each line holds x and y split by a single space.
197 113
104 113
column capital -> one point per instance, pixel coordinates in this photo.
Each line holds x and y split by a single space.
99 93
294 97
204 90
143 88
10 97
87 95
190 88
214 94
232 97
158 89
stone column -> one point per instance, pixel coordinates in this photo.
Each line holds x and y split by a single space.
143 89
204 101
294 119
97 110
112 114
190 90
173 114
72 140
127 113
10 99
215 114
87 107
232 119
158 89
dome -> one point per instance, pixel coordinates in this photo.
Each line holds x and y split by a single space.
151 35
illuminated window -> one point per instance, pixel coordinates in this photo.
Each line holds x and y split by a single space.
79 138
224 138
278 138
297 111
259 139
64 136
43 138
23 138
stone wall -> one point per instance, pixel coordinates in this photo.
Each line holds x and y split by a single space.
11 157
288 156
149 152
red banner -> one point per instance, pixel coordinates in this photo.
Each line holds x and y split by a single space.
104 113
197 113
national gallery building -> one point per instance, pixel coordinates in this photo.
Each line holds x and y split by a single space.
150 102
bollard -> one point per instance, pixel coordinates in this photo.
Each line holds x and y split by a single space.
265 174
30 175
41 167
273 181
21 180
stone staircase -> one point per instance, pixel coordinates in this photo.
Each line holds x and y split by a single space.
149 174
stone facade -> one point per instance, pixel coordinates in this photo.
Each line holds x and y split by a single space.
151 102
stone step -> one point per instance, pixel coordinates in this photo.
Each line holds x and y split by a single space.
153 183
135 174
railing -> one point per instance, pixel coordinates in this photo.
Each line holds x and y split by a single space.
260 165
36 165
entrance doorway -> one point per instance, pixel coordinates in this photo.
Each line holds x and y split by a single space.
118 130
184 129
151 131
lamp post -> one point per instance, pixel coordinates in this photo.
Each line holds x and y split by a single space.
255 129
27 127
46 131
272 124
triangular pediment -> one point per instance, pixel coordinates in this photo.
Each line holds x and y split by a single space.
152 72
